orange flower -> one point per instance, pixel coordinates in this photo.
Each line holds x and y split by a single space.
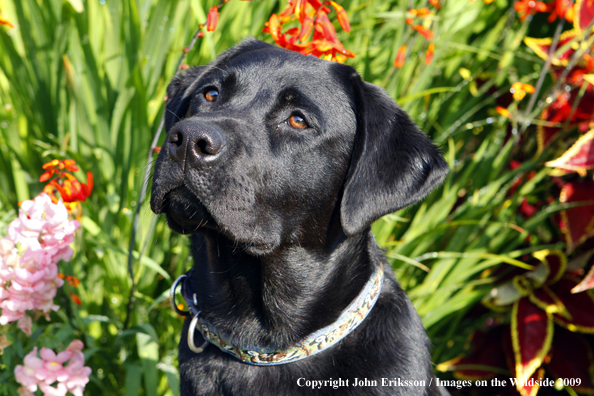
60 165
76 299
503 111
409 21
71 279
70 189
307 25
300 9
428 34
342 16
566 9
212 19
423 12
5 22
429 54
312 15
527 7
435 3
400 56
519 90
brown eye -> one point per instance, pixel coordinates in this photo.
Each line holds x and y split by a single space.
297 122
211 95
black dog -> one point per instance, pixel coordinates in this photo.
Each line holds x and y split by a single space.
278 163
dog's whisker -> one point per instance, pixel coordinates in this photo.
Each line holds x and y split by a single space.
170 111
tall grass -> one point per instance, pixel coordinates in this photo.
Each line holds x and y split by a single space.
90 85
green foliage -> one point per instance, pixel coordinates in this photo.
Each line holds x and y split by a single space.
86 80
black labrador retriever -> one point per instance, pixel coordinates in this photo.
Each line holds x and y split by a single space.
277 164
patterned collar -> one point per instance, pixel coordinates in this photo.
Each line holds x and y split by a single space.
351 317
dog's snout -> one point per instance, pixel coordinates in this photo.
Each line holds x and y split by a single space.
196 142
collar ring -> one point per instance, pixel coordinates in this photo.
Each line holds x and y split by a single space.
191 331
172 297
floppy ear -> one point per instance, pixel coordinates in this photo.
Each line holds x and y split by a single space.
179 96
393 164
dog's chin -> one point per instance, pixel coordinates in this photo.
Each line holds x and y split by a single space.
185 213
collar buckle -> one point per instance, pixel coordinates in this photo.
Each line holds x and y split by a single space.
172 297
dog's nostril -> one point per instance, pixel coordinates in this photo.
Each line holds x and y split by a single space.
211 145
203 147
176 138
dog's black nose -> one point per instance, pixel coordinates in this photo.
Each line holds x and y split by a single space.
195 142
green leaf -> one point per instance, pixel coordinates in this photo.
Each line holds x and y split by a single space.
77 5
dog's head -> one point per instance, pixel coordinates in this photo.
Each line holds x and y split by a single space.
269 147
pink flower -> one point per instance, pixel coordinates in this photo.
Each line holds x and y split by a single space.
78 374
52 366
49 374
27 375
59 390
22 391
37 240
25 323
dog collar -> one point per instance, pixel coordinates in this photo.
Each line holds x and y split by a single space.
351 317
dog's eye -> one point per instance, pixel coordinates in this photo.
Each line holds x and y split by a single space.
211 95
297 122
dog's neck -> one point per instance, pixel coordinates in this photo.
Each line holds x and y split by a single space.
280 298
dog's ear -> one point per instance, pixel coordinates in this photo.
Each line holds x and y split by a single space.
393 163
179 95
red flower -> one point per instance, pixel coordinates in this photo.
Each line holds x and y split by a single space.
429 54
561 9
527 209
70 189
312 16
76 299
343 18
5 22
526 7
428 34
71 279
400 56
212 19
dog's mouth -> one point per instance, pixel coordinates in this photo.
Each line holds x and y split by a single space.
185 213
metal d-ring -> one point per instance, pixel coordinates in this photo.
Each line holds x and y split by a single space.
191 330
172 297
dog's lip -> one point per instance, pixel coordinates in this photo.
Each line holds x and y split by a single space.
184 211
183 225
184 220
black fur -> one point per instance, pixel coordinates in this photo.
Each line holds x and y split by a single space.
280 218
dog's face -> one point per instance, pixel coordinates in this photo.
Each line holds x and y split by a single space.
263 141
